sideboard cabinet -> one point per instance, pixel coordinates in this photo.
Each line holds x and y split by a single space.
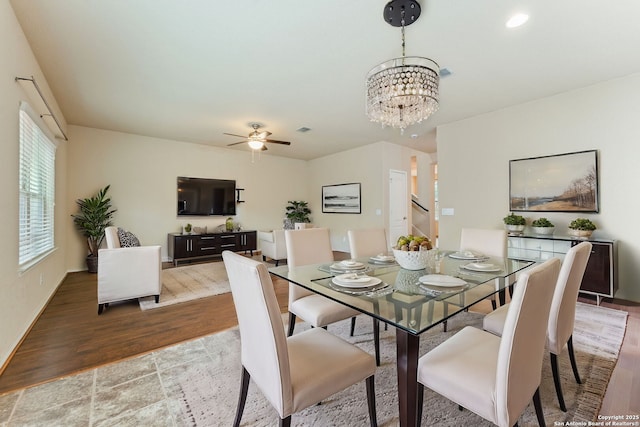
600 276
185 247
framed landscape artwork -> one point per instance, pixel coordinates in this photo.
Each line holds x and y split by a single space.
558 183
341 198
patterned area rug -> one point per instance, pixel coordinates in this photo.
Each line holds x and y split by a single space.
190 282
208 391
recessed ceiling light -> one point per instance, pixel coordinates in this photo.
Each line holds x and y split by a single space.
303 129
517 20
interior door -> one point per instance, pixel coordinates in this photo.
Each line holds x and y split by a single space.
398 205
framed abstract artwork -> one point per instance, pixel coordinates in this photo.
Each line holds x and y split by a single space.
558 183
341 198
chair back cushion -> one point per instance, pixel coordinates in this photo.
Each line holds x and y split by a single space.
563 306
487 241
308 246
111 236
263 342
367 242
523 341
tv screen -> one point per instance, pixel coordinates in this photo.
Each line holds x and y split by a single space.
202 196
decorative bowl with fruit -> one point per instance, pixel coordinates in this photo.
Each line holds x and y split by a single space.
412 252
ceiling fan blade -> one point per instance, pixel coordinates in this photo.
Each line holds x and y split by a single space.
275 141
264 148
236 143
233 134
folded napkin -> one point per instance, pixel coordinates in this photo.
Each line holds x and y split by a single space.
352 278
482 266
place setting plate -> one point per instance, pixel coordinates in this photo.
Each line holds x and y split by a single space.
482 267
382 259
467 255
357 284
436 284
348 266
356 281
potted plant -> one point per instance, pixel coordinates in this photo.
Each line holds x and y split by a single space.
514 223
543 226
296 211
95 215
187 229
581 227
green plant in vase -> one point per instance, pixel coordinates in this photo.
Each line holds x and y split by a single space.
542 226
514 223
581 227
296 211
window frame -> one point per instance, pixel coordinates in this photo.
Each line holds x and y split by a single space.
36 188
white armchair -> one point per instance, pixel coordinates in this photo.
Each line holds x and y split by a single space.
272 245
127 273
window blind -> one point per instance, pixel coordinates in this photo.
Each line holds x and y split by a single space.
37 191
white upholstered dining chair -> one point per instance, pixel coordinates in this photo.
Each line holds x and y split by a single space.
489 242
562 315
296 372
367 242
313 246
496 377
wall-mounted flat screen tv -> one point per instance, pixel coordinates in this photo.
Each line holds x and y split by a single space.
203 196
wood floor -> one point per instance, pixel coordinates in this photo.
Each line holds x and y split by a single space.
70 337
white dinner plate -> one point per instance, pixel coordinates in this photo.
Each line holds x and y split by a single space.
441 280
339 266
481 266
383 258
352 281
468 255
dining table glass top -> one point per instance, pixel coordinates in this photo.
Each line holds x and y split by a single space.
413 300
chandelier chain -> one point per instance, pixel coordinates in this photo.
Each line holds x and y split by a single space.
402 22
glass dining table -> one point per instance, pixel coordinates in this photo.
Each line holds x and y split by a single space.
412 301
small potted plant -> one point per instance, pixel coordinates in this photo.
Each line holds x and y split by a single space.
514 223
581 227
296 211
187 229
543 226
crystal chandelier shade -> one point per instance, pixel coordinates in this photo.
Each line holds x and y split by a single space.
402 91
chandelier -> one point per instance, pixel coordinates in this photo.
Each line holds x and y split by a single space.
402 91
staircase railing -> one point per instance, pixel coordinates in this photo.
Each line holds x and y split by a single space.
420 221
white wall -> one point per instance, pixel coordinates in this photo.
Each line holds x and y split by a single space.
474 154
23 295
142 172
368 165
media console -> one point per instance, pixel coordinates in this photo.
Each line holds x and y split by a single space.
186 247
600 278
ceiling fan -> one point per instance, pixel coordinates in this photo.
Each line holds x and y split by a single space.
255 139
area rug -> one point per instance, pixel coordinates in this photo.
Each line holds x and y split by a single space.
196 383
189 282
208 391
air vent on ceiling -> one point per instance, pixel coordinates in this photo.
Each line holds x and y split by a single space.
445 72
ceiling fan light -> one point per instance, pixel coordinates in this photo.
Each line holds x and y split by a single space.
255 144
